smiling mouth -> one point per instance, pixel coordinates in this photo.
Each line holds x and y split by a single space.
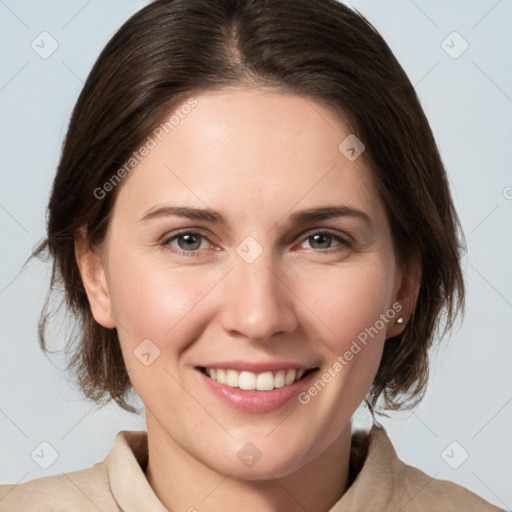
265 381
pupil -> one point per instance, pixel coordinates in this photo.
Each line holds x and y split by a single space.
321 236
190 242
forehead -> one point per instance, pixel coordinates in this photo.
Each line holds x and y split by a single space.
243 151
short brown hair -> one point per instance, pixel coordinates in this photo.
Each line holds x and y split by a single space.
321 50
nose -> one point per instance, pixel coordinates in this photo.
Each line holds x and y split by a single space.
259 302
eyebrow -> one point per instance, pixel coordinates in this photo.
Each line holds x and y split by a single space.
301 217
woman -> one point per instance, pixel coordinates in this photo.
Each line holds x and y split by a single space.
253 225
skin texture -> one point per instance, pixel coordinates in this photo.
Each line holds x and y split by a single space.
256 156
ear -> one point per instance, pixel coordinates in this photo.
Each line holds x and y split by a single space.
408 287
93 277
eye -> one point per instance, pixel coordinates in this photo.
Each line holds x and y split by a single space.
323 241
190 242
187 241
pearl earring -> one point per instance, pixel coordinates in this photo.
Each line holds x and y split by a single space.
400 320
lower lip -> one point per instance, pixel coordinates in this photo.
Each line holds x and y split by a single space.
253 400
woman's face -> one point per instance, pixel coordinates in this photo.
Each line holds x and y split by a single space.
247 277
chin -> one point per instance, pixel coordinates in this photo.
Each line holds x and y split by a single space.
252 461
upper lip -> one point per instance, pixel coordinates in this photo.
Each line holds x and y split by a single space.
257 367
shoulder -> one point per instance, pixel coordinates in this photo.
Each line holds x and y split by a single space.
84 490
387 483
423 491
419 491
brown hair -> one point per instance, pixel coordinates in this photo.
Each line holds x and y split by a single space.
321 50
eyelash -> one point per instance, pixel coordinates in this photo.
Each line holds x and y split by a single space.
344 242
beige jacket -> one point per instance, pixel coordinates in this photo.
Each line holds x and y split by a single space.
118 484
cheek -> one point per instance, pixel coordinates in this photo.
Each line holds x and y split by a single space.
156 302
348 302
351 303
153 307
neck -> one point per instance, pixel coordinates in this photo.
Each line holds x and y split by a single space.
182 482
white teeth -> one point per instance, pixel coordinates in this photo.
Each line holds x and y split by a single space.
247 380
220 375
290 377
279 379
232 378
265 381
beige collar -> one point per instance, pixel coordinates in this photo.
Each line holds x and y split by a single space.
371 490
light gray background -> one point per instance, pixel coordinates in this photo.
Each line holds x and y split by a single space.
468 101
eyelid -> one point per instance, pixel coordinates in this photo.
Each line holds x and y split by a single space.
185 231
328 231
166 240
345 241
304 234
